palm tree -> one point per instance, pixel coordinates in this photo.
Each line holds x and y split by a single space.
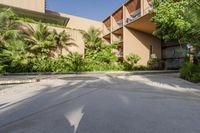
92 38
12 50
62 40
9 28
41 40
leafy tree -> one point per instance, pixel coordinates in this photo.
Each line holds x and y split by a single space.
178 19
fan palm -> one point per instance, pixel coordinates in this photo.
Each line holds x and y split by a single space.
62 40
40 39
11 49
92 38
9 28
15 55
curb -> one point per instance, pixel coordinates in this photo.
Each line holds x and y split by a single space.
39 76
93 73
12 82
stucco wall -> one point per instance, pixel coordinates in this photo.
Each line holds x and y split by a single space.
34 5
76 22
137 42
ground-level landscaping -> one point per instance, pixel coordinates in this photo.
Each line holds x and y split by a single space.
27 49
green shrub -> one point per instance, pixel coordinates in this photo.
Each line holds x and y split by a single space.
127 66
2 68
140 68
154 63
195 77
133 58
102 67
75 62
190 71
71 62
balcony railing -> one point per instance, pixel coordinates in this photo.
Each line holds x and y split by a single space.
134 15
149 7
120 39
106 30
118 25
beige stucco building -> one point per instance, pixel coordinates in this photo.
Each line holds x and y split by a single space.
129 25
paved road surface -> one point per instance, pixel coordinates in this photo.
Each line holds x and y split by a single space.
102 104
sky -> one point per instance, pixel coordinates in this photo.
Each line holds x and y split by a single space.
92 9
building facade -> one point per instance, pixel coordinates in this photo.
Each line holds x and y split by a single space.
130 26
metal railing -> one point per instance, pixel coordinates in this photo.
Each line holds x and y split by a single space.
149 8
118 25
134 15
106 30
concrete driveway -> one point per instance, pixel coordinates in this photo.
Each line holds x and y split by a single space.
160 103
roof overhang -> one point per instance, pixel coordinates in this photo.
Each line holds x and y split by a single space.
143 24
50 16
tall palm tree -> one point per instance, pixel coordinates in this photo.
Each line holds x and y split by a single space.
12 50
62 40
92 38
9 28
40 39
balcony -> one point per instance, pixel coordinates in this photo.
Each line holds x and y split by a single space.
106 30
117 19
119 39
118 25
107 38
107 26
134 16
143 24
117 36
148 6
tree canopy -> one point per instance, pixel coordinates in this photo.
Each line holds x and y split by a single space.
178 19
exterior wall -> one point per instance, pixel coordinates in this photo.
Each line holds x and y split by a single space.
137 42
81 23
141 40
33 5
76 44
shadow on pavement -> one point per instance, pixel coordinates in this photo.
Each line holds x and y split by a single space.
110 104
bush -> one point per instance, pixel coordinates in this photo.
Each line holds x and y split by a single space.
71 62
140 68
133 58
154 63
75 62
191 72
